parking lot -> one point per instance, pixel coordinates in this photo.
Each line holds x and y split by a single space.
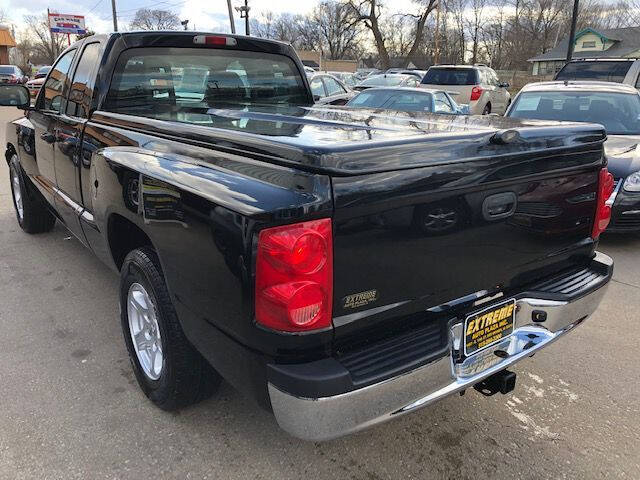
72 409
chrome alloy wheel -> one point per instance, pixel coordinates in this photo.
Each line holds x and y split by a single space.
144 330
17 192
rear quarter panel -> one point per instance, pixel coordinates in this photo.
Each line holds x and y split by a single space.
202 210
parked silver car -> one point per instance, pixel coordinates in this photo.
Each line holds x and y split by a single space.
328 90
477 85
388 80
615 106
408 100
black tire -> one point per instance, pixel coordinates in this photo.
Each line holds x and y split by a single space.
186 377
35 216
487 109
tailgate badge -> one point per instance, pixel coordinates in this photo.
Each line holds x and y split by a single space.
357 300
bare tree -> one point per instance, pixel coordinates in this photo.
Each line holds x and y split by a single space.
337 27
475 23
146 19
369 12
45 44
285 27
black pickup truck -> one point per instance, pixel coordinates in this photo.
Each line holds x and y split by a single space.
342 267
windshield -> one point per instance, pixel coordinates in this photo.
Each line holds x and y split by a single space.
383 81
618 112
395 100
183 84
7 70
44 70
450 76
607 71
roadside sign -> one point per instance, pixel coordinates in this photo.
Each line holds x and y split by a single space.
64 23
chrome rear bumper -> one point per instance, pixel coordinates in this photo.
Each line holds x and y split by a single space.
325 418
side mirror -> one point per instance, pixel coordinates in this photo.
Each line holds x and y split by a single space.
15 96
504 85
316 98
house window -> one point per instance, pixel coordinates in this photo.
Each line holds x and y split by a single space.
591 44
542 68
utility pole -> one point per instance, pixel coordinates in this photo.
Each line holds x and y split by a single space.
436 54
54 54
115 17
572 34
231 22
244 13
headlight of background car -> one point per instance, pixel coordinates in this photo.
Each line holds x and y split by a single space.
632 183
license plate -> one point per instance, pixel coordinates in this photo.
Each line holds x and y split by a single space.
486 327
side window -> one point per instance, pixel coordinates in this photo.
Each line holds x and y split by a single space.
484 78
82 85
413 82
441 103
333 87
638 82
51 99
316 87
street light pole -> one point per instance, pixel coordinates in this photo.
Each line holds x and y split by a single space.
246 17
233 24
244 13
115 17
572 34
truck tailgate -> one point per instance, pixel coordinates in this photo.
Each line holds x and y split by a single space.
418 243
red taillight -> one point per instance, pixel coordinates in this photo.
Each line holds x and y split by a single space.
217 40
294 276
475 93
603 211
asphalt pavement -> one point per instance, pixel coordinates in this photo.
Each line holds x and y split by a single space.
71 409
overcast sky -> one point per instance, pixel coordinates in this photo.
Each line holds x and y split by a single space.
209 15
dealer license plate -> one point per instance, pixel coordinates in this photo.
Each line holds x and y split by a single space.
488 326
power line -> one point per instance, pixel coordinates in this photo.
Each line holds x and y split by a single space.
155 4
95 6
133 14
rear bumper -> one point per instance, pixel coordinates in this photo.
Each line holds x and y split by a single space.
333 416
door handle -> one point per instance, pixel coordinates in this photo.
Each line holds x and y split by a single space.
499 206
48 137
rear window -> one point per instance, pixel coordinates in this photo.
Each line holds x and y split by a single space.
7 70
451 76
383 80
608 71
182 84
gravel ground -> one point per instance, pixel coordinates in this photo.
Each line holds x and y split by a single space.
72 409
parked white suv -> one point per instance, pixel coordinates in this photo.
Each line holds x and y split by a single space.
477 85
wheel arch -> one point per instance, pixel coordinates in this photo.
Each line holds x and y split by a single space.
123 236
